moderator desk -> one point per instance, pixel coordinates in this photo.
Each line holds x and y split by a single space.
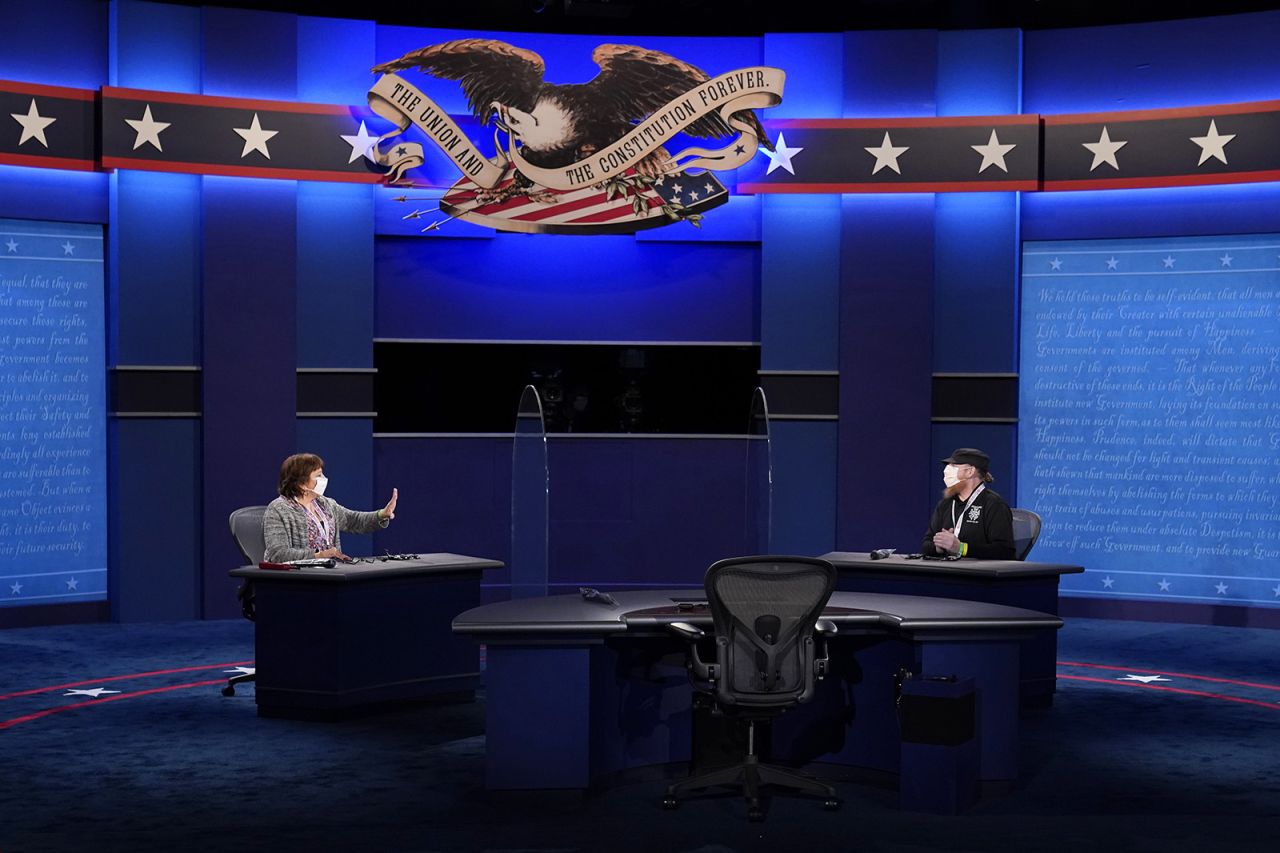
328 641
579 690
1033 586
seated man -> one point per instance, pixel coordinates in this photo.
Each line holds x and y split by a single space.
970 520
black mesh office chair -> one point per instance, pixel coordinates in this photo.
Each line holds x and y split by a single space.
1026 530
246 527
765 611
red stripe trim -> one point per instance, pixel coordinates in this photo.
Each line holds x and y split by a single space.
117 93
1165 181
122 678
905 187
240 171
1274 707
1170 674
890 123
47 91
1175 112
620 212
48 711
561 209
39 161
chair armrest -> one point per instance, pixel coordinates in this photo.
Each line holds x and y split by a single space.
686 631
826 628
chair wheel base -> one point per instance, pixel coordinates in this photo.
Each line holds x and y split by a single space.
228 691
670 803
831 805
755 814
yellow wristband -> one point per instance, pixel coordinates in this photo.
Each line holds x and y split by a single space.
964 548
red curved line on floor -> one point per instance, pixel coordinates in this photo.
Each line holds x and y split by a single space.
121 678
26 718
1174 674
1114 682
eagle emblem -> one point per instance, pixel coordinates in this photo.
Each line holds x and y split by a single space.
593 156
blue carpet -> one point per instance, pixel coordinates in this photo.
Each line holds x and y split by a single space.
1173 764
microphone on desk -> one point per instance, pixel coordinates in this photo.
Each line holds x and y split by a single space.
881 553
592 594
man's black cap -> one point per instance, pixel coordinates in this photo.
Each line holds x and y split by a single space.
969 456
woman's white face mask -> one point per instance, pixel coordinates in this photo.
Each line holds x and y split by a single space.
322 482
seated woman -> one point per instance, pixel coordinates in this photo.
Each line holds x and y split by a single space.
303 524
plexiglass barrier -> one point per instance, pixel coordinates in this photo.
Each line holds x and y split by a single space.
758 479
529 493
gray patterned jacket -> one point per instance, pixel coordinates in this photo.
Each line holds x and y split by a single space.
284 526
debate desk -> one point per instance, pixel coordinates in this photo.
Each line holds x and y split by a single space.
578 691
331 641
1033 586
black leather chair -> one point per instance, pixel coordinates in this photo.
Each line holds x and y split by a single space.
1026 530
765 611
246 527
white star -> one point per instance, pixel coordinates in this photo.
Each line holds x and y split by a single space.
33 124
709 188
693 195
676 188
1145 679
887 154
662 179
95 692
1168 262
993 153
1164 585
68 249
361 145
1107 582
15 588
1055 264
1221 588
1226 260
244 670
73 585
12 245
1104 150
255 138
1112 263
1213 144
780 156
675 197
1276 590
148 129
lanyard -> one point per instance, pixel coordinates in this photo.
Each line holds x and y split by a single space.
321 521
973 497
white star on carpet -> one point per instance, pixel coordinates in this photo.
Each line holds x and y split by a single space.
1113 263
1055 264
242 670
148 129
993 153
255 138
1226 260
361 145
68 249
1168 262
780 156
1104 150
887 154
1213 145
12 245
33 124
73 585
1164 585
15 588
1221 588
1108 582
95 692
1145 679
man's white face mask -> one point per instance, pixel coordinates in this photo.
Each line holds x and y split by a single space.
950 476
321 484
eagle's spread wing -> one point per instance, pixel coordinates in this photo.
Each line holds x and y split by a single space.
635 81
489 70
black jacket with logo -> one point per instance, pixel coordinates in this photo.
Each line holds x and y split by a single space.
987 527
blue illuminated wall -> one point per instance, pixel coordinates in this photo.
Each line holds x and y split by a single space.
1150 415
241 283
53 474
